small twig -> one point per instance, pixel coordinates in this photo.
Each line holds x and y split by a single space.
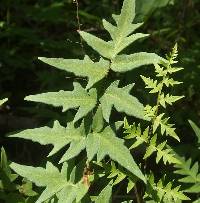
79 24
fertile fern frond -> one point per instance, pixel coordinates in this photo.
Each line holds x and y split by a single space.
118 174
169 99
134 132
162 192
150 111
151 84
161 152
165 126
170 82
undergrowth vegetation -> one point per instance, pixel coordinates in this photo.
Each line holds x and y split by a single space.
98 157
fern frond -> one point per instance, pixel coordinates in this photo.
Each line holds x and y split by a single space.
165 126
152 84
191 174
106 143
150 111
94 71
105 195
173 55
163 71
134 132
121 99
122 37
161 152
169 99
79 97
161 192
58 136
102 47
170 82
56 182
123 63
118 175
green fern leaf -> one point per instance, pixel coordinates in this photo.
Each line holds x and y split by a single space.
121 100
171 70
121 39
169 99
168 128
157 122
196 129
84 68
152 84
110 28
106 143
105 195
121 44
131 184
79 97
113 29
98 122
165 154
165 127
190 172
161 151
125 19
195 188
75 148
102 47
162 72
3 101
161 192
124 28
6 176
56 182
170 82
58 136
123 63
150 111
134 131
119 174
151 148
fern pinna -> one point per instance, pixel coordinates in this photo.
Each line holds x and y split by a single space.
92 132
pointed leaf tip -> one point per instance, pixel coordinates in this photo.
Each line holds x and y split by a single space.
122 101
